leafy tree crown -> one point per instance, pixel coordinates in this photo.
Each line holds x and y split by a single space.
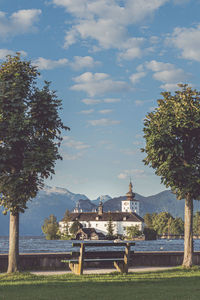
30 133
172 134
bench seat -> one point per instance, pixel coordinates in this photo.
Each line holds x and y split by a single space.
94 259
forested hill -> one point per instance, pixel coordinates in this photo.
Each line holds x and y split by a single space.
57 200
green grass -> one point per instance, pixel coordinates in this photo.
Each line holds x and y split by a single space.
173 284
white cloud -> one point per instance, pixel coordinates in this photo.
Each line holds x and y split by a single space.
105 111
128 151
169 87
97 83
71 143
139 102
5 52
136 173
48 64
19 22
107 21
68 156
122 176
91 101
103 122
187 40
132 49
111 100
87 112
135 78
81 62
167 73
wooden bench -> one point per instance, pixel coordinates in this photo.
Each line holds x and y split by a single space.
76 262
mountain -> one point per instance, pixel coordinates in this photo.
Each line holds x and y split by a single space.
103 199
50 200
54 200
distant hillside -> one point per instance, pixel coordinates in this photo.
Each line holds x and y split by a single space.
50 200
56 200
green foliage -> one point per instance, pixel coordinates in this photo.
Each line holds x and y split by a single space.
164 223
172 134
148 220
150 234
65 235
196 223
161 222
110 228
133 231
176 226
76 225
30 133
50 228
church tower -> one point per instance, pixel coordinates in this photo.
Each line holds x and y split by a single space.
130 204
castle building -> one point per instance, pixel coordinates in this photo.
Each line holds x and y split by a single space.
130 204
98 220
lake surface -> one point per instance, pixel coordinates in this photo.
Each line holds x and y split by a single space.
35 244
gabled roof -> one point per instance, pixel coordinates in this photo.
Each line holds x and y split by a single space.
106 216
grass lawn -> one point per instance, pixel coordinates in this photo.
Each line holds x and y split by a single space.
163 285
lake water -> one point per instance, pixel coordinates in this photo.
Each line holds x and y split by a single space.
37 244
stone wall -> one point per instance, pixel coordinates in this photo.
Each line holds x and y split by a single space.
52 261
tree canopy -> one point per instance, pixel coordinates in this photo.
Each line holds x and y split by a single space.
30 129
164 223
50 228
172 134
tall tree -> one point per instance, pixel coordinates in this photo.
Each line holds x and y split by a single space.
30 135
133 231
172 134
76 225
50 228
196 223
110 228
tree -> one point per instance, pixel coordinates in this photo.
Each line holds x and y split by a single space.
76 225
176 226
148 220
30 135
133 231
196 223
50 228
172 134
150 234
161 222
66 234
110 228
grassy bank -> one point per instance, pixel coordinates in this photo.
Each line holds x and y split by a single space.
174 284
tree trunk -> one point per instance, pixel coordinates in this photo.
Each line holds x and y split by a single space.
13 258
188 233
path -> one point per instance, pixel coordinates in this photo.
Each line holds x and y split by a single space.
103 271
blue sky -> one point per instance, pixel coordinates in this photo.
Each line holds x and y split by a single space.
108 60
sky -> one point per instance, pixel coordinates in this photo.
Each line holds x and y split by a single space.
108 61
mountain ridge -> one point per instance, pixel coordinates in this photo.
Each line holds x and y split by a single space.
55 200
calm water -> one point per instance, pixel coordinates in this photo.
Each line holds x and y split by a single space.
40 245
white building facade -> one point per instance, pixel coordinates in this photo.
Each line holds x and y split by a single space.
99 220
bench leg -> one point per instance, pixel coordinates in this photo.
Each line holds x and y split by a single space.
127 258
74 268
119 266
